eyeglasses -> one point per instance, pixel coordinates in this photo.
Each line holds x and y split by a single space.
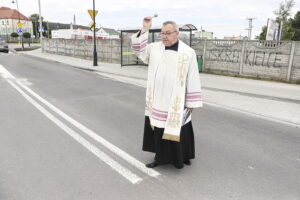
167 33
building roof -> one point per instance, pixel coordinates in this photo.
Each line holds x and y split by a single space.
110 31
235 37
7 13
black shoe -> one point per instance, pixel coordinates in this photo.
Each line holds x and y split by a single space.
187 162
152 165
179 167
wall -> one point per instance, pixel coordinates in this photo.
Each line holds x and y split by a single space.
259 59
108 50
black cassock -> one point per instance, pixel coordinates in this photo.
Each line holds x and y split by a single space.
167 151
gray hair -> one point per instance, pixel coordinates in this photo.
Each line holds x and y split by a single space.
172 23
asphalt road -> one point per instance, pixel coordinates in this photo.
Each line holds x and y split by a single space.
41 157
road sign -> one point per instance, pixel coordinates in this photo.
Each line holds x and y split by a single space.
41 29
92 24
20 31
20 25
91 12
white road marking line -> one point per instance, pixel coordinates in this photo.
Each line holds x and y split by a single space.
133 161
133 178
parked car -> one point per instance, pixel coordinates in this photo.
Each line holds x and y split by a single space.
3 47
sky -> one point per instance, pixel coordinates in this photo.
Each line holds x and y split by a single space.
223 18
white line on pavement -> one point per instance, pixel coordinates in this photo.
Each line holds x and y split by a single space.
133 178
133 161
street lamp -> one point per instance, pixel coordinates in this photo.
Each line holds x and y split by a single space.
19 21
95 49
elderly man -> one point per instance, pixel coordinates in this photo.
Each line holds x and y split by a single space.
173 90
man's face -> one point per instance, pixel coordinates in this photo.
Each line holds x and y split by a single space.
169 35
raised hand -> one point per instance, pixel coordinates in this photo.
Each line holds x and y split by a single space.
147 23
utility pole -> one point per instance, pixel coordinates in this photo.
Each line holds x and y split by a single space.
250 19
41 33
95 63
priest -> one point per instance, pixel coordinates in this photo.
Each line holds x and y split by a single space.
173 91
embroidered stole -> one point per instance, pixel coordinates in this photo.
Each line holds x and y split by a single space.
176 107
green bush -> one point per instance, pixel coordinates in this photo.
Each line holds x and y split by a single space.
14 35
27 35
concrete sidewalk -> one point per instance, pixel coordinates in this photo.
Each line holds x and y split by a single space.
270 100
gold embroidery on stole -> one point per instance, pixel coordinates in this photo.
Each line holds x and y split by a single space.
183 60
174 119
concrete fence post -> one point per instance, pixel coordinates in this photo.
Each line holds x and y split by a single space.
288 76
44 45
242 57
74 47
56 43
111 51
65 47
203 56
84 49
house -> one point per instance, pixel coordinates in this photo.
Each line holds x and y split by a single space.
235 37
204 35
9 19
101 33
108 33
72 34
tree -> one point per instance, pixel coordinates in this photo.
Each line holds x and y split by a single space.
27 36
284 10
14 35
282 13
262 35
296 20
295 23
35 18
292 28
